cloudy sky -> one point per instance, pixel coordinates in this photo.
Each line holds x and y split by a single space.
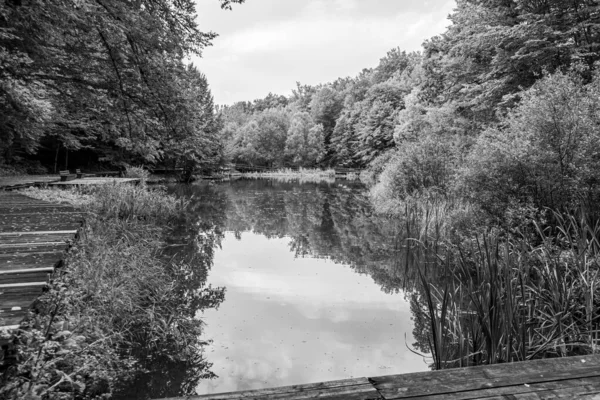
268 45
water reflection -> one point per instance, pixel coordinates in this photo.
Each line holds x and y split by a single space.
314 285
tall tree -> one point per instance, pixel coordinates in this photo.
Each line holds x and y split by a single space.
101 73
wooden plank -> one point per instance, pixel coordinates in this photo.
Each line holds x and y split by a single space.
24 261
585 390
349 392
42 226
31 277
533 390
96 181
25 239
38 218
33 250
485 377
285 389
17 285
30 245
70 232
26 271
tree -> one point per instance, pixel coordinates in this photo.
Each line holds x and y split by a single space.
545 151
325 107
100 74
376 125
270 136
304 143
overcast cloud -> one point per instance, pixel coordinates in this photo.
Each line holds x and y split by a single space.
267 45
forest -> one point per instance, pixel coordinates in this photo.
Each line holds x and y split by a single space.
108 82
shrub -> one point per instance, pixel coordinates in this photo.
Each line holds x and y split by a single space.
416 168
137 172
546 150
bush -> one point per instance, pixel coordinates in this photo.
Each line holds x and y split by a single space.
137 172
546 150
416 168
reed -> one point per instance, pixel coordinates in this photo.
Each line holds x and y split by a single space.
516 297
128 202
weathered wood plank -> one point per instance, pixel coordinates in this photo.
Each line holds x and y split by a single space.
31 245
287 389
29 260
535 389
38 276
26 271
23 239
40 219
588 390
349 392
38 226
34 250
484 377
70 232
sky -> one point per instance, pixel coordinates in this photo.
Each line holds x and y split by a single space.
268 45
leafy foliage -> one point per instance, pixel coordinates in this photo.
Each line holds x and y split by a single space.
106 75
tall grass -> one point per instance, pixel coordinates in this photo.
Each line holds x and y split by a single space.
517 297
129 202
301 174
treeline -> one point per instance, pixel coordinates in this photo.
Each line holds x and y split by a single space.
106 76
501 107
345 123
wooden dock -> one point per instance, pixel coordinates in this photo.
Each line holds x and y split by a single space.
95 181
34 236
20 182
558 378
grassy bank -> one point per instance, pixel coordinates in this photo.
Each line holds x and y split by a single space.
301 174
118 305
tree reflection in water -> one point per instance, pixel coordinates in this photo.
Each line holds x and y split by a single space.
322 220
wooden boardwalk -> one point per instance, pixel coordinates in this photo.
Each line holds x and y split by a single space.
558 378
34 236
20 182
94 181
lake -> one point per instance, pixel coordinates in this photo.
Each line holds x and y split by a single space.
317 285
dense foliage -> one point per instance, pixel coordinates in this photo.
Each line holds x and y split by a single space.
108 76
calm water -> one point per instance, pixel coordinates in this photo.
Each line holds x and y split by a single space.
314 286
